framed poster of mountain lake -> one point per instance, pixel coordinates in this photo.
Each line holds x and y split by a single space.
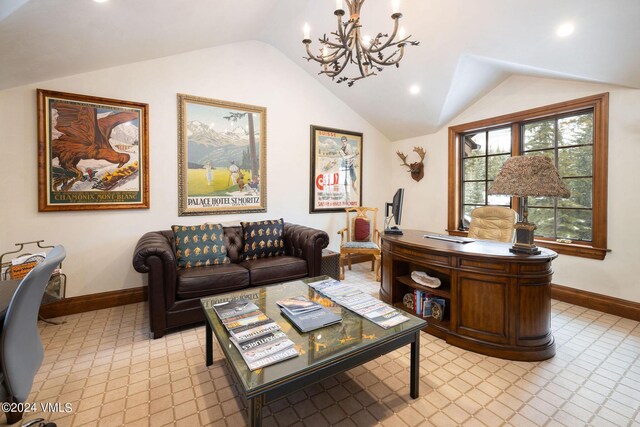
92 153
336 170
221 157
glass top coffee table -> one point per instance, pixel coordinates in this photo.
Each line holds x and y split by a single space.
323 352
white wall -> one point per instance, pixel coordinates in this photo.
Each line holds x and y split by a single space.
425 203
100 243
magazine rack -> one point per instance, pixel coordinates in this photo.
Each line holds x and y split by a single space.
56 288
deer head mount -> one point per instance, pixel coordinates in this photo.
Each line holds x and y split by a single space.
416 169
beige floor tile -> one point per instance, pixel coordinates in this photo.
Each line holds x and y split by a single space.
106 365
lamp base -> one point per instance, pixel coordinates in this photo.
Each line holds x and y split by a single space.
533 250
524 243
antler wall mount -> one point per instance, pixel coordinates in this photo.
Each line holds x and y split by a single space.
416 169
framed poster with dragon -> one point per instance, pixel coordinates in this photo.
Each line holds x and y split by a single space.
221 157
92 153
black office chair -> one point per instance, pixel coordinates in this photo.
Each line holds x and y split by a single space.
21 350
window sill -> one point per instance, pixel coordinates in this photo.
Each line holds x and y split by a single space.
571 249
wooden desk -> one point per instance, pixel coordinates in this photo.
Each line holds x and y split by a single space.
497 303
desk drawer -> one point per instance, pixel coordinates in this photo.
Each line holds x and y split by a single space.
483 265
418 257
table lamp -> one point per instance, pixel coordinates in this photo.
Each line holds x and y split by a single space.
525 176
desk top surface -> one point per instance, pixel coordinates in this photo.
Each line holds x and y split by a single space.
480 248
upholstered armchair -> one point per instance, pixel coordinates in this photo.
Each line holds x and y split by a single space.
492 223
360 237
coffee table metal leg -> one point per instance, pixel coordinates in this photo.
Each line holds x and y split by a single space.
255 411
209 338
415 367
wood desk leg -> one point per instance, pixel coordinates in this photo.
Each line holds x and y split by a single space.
255 411
415 367
209 338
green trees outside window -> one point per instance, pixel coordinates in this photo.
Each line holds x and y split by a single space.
574 135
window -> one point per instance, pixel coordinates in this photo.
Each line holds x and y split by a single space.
483 154
574 135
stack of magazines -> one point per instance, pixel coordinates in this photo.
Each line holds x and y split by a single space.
365 305
259 339
307 315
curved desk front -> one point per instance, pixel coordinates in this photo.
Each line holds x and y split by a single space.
496 303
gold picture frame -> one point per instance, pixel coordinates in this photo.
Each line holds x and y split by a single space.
221 157
93 153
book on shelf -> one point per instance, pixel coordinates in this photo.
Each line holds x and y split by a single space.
427 303
418 301
258 338
311 317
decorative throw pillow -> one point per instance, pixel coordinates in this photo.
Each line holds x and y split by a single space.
361 230
263 238
198 245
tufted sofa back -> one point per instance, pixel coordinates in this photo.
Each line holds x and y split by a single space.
232 241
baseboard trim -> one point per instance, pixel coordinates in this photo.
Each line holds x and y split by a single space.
99 301
84 303
594 301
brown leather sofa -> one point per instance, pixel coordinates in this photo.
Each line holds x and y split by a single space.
174 293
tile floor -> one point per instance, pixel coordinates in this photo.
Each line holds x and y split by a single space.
112 374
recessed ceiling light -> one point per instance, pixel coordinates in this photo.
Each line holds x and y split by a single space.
100 1
414 90
565 29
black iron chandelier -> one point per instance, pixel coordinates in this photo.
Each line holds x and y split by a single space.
350 46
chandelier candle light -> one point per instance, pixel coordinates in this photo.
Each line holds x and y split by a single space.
526 176
350 46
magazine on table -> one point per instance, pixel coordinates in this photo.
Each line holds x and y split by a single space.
311 320
258 338
275 358
270 347
298 305
349 296
234 308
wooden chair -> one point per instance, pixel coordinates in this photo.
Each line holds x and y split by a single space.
360 237
492 223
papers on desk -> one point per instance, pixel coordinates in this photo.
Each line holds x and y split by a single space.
350 297
448 238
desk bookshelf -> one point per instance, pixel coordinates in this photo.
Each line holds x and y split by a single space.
497 303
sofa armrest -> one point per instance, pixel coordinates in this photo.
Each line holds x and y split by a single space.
307 243
151 244
154 255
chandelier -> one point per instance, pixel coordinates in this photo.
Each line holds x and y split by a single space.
349 46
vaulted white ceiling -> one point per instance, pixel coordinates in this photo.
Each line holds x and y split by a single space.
467 47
